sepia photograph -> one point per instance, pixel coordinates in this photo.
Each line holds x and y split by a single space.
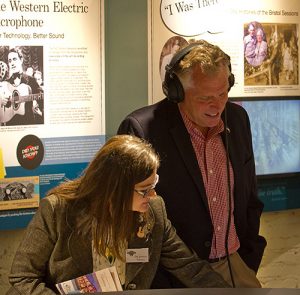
21 85
270 54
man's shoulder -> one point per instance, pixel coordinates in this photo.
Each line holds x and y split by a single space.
30 81
150 108
235 112
237 118
235 107
158 110
151 121
28 78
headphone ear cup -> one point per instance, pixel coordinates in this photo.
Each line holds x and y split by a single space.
173 88
231 80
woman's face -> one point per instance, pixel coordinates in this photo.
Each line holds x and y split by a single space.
259 37
143 191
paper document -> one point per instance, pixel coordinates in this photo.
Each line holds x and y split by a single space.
105 280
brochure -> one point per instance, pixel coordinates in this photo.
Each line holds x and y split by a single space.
105 280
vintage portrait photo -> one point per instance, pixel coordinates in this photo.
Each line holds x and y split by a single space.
170 48
21 85
270 54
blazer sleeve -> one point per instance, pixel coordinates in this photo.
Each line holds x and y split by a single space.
183 262
29 266
252 244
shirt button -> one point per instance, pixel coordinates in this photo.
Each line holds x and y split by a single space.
214 199
218 227
210 171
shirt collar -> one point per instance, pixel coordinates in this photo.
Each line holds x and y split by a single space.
193 129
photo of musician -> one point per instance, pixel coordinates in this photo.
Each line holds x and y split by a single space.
20 93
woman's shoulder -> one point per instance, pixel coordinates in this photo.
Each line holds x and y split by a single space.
157 201
157 210
157 204
54 201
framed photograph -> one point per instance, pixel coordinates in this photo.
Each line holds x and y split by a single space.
261 37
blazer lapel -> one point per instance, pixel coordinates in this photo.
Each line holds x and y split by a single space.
234 155
233 151
184 145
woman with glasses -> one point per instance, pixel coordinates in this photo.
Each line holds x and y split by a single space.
104 218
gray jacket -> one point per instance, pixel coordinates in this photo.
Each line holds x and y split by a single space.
52 251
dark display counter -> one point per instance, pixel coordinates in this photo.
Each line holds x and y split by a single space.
210 291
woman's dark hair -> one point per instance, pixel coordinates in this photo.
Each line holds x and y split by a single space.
105 190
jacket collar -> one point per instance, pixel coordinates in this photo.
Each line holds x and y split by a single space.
183 143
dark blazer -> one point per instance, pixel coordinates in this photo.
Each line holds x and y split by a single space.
181 183
52 251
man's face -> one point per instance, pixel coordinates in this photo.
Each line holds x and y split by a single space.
14 62
251 31
205 100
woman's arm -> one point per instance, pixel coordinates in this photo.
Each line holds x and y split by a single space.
29 268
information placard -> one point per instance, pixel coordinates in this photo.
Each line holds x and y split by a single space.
52 97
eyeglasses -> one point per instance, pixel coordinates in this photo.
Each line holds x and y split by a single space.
145 192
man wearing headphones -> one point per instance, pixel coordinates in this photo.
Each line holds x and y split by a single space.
207 172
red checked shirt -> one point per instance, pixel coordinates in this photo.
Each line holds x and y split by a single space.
211 157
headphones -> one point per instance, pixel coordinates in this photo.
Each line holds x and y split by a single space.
172 86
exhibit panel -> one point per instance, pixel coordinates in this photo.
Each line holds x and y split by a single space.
52 114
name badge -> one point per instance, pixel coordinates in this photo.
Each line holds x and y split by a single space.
139 255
